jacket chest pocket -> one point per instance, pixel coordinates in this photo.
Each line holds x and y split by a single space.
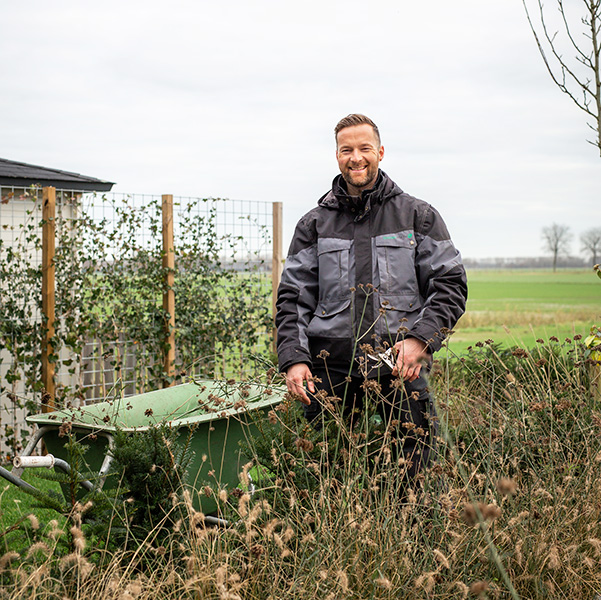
333 257
396 263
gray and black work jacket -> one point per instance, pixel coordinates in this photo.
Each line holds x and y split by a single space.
367 275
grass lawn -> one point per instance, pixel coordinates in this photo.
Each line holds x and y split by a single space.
520 306
16 504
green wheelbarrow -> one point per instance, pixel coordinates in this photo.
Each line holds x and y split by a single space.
213 415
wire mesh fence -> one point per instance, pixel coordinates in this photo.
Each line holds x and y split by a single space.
110 321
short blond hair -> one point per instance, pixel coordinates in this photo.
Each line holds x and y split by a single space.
353 120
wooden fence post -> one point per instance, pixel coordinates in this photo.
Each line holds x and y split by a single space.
168 293
48 295
277 260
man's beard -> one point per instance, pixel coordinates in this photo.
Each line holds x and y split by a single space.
367 180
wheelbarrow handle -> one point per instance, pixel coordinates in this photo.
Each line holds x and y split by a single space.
15 479
26 460
49 461
34 461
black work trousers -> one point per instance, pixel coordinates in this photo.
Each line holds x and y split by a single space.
406 408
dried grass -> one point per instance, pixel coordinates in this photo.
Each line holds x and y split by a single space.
515 496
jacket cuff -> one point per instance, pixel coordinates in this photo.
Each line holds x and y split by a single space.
433 340
291 355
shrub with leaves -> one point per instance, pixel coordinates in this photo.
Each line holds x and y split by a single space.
110 322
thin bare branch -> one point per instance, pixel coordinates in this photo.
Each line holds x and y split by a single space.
569 31
563 86
586 53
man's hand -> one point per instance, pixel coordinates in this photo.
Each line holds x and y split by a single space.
411 353
296 375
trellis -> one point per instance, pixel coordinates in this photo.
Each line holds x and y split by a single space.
252 231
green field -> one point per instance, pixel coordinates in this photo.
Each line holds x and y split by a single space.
520 306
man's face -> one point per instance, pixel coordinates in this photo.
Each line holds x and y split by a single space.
359 154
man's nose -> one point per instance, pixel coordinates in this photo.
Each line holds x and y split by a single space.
356 156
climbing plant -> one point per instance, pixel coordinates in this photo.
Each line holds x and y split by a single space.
109 329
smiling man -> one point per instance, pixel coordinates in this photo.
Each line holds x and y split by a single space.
370 269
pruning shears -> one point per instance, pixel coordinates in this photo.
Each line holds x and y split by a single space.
383 358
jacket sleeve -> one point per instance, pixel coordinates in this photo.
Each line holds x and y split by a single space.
297 298
442 280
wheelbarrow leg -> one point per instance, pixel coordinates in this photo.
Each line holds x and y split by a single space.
106 463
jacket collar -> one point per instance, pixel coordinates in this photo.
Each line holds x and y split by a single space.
339 198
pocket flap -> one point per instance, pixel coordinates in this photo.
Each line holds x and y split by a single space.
332 307
332 245
402 239
404 302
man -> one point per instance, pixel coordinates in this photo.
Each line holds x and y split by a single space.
370 268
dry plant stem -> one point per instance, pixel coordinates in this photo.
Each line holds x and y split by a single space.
481 521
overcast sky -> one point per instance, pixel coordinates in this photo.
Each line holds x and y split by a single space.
239 98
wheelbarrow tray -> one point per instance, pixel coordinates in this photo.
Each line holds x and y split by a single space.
214 416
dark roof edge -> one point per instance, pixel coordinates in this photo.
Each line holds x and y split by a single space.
17 174
83 186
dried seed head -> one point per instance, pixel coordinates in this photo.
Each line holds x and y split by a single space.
506 486
342 581
197 520
243 504
40 547
517 552
77 560
518 518
79 541
384 583
478 588
469 515
55 531
33 520
426 581
7 559
489 512
596 544
288 534
553 561
441 559
244 475
492 512
463 589
304 445
134 588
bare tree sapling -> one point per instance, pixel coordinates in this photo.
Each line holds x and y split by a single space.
556 240
591 243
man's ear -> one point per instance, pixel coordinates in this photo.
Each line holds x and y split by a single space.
380 152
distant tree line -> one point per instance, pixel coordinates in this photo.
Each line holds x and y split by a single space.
557 242
526 262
